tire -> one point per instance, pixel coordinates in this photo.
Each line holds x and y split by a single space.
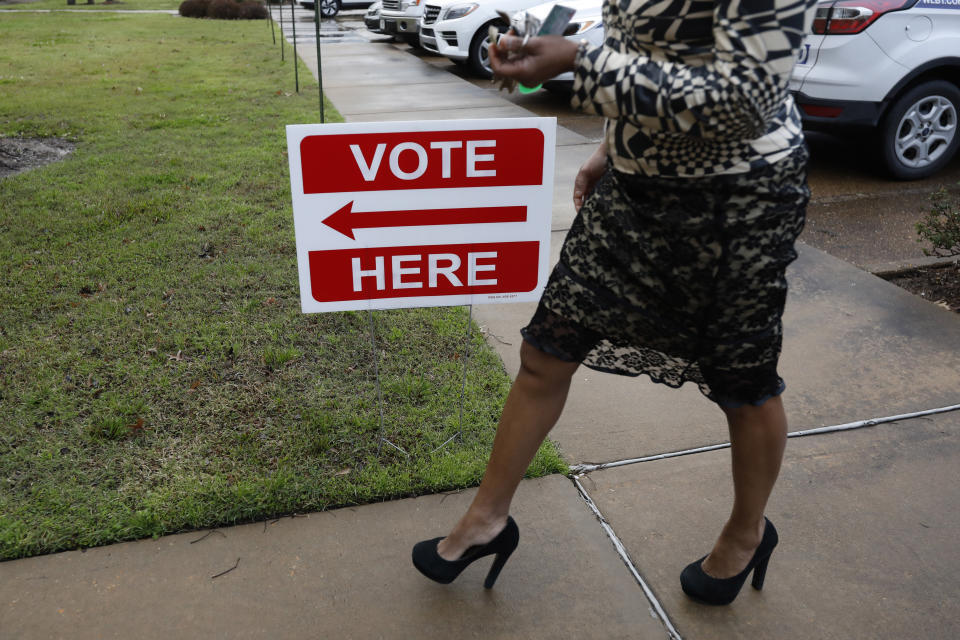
920 133
478 60
329 8
562 89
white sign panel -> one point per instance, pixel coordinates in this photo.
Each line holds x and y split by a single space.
418 214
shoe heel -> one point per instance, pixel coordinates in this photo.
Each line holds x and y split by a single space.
495 569
759 573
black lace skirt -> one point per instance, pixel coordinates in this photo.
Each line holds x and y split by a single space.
681 279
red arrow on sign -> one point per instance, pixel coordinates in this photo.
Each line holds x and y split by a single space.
345 220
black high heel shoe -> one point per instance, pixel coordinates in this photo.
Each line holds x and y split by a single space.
709 590
429 563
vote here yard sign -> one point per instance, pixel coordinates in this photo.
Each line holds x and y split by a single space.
417 214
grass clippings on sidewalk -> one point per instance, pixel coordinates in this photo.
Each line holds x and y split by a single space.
156 373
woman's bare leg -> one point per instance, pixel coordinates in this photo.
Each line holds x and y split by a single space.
535 402
758 436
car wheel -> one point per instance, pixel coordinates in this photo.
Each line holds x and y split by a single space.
920 134
561 88
479 59
329 8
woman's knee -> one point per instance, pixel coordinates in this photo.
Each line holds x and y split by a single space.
542 366
769 413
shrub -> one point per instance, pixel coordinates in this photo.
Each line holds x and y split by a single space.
941 226
234 10
194 8
253 11
224 9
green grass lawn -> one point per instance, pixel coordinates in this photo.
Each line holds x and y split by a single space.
155 371
119 5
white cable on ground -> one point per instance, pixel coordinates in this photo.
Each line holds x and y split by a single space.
580 469
658 609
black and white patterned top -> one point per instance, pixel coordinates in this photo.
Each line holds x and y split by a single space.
695 87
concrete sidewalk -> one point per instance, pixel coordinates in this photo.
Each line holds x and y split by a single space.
867 516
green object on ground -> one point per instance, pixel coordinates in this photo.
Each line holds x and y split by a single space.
156 373
525 89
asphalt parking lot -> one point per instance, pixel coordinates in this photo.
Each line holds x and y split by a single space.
856 213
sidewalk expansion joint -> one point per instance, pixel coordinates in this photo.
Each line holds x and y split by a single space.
579 470
656 608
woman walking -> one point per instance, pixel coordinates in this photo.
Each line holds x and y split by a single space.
674 266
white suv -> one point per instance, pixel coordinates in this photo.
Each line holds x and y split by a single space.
401 18
892 65
459 29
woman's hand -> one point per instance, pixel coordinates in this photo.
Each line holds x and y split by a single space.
542 58
591 171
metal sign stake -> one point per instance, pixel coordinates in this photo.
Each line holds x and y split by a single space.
316 21
466 356
272 32
376 371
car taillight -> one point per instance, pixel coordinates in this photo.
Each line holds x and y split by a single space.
821 111
853 16
820 20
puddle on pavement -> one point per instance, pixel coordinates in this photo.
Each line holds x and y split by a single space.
329 29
